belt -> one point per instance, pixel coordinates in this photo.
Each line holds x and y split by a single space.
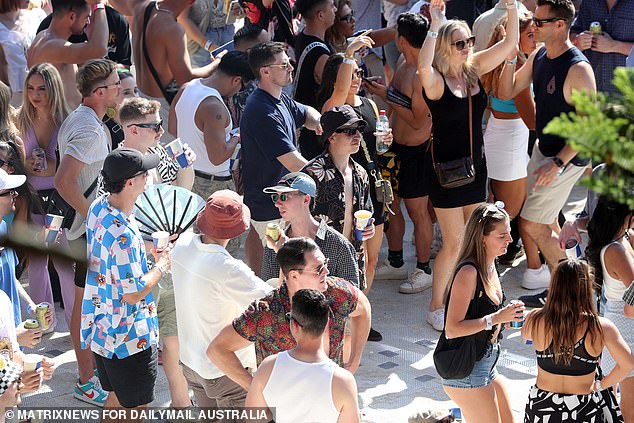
212 177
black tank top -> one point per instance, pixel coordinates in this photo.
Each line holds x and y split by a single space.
366 112
549 76
450 117
582 362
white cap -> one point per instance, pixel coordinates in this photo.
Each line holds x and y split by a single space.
10 181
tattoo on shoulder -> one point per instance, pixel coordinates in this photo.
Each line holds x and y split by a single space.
219 116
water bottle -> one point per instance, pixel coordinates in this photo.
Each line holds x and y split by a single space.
382 127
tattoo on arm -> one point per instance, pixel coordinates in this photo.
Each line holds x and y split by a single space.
219 116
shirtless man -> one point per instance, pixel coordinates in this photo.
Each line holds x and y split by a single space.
411 127
167 50
70 17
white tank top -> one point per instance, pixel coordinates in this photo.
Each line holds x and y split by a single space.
193 94
301 392
613 289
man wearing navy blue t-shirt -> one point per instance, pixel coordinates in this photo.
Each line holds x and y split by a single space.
268 133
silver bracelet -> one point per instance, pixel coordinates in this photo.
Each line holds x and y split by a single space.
432 34
349 61
511 62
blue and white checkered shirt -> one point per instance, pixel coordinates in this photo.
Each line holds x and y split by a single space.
116 265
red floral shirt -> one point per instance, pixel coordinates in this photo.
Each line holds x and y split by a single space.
265 324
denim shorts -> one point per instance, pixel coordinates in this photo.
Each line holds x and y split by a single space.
483 371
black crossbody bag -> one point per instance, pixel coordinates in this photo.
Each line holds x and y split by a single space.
58 206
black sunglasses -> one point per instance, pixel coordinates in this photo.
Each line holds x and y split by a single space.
290 317
347 18
540 22
349 131
12 193
156 126
461 44
283 196
360 73
108 85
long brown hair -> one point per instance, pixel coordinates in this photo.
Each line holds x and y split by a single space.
490 79
482 222
569 305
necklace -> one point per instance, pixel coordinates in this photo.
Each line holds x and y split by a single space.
158 9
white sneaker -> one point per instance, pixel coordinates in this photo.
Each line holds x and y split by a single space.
386 271
417 282
436 319
536 278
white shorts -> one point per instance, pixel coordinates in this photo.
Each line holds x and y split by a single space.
506 149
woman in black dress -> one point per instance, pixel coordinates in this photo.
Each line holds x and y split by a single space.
450 74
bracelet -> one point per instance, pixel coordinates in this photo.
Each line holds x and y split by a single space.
349 61
511 62
558 162
489 321
208 44
511 5
99 6
432 34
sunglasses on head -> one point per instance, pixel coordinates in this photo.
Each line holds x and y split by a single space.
493 208
156 126
282 196
349 131
462 44
540 22
347 18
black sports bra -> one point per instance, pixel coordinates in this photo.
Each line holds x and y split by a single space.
582 362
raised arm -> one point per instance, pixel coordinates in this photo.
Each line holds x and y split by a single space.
430 77
511 83
489 59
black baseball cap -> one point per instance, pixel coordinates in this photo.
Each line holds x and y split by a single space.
126 163
340 117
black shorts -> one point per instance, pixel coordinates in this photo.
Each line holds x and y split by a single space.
411 176
80 244
132 378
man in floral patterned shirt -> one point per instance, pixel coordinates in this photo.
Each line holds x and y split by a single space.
118 319
265 322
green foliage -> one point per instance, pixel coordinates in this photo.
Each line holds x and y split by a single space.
602 129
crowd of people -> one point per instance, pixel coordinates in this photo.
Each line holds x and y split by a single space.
283 129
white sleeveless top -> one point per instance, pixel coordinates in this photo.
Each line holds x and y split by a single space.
301 392
613 289
193 94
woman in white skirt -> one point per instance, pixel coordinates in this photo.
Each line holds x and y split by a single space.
611 253
506 146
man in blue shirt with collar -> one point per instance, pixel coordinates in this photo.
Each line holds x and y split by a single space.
118 319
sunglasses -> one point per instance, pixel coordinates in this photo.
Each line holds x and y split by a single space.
319 271
493 208
107 86
290 317
540 22
283 196
462 44
349 131
360 73
156 126
347 18
12 193
283 66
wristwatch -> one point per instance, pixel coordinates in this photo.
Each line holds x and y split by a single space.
489 321
558 162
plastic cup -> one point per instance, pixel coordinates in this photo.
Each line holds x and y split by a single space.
519 324
362 221
573 249
160 238
52 225
176 150
32 362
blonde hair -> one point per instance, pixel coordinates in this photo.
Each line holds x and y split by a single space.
482 222
490 80
443 52
7 128
57 106
93 72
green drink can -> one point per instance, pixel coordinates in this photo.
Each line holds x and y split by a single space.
40 315
31 324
